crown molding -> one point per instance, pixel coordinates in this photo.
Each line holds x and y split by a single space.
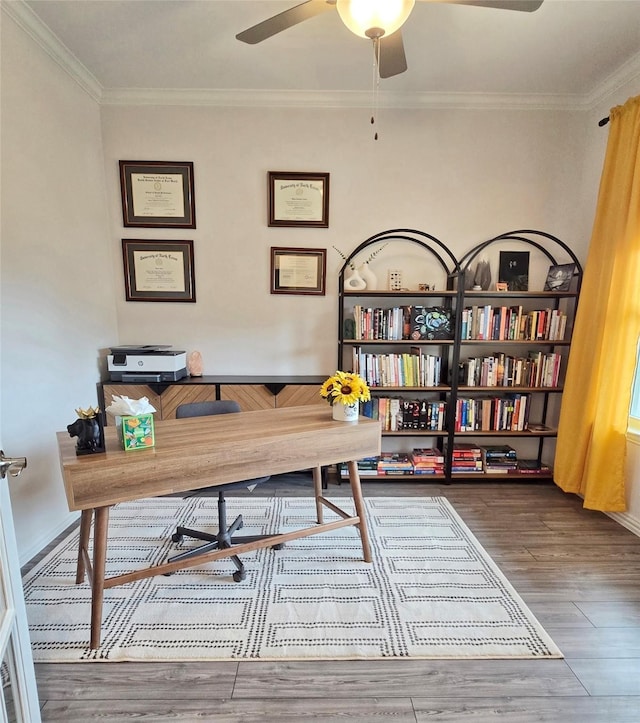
31 24
626 73
336 99
26 19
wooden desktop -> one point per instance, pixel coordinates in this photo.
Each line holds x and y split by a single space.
203 452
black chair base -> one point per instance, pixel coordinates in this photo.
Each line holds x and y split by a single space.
223 540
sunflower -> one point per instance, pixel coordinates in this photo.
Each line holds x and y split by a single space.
345 388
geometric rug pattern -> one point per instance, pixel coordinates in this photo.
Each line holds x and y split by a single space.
430 592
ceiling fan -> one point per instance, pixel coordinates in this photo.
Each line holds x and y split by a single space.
379 20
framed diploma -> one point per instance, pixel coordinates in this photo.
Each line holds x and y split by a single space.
158 270
298 271
298 199
157 194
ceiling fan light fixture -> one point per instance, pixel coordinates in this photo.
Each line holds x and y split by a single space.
374 18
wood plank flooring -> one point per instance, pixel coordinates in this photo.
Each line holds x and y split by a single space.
578 570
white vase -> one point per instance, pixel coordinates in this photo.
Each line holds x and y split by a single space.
345 412
370 279
353 281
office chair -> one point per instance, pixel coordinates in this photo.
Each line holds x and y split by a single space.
225 536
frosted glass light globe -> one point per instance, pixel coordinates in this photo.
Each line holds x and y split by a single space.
374 18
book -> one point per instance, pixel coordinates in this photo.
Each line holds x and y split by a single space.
420 455
394 461
531 427
559 277
514 270
531 466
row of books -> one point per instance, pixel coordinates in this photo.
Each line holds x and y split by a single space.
500 323
397 370
398 415
467 458
499 458
512 323
420 461
402 322
493 459
503 370
377 323
493 414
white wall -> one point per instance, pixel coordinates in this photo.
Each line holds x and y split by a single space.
462 175
57 278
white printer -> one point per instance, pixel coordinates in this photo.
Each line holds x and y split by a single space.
146 363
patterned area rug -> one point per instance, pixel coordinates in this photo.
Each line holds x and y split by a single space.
431 592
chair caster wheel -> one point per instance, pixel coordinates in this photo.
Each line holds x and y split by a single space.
239 575
167 574
279 546
177 537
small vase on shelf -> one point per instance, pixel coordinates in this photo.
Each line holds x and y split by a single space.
368 276
353 281
345 412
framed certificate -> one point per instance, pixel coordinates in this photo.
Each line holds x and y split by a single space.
298 199
157 194
158 270
298 271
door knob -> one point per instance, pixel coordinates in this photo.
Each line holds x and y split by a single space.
12 465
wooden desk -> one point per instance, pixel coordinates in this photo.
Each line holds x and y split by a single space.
208 451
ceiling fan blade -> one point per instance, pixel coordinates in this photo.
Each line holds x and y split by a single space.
284 20
392 60
526 6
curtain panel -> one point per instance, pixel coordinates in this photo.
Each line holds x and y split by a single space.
591 446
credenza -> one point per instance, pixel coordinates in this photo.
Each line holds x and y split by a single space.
251 392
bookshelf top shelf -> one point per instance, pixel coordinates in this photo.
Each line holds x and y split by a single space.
521 294
405 293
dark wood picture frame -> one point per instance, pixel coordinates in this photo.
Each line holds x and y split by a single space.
158 270
157 194
298 199
298 271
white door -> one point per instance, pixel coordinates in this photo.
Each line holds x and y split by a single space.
19 699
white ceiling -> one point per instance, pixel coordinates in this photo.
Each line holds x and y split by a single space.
566 51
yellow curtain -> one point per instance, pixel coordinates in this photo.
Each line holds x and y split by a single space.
591 445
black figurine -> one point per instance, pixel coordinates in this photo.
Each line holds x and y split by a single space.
88 429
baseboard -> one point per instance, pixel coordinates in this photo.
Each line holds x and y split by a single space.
627 520
39 543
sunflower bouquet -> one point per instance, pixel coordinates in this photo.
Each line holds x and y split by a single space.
345 388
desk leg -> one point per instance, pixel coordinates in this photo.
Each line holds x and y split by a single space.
100 531
317 491
83 544
358 501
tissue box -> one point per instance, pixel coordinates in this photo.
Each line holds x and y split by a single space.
137 432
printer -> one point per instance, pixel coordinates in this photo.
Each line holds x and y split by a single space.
146 364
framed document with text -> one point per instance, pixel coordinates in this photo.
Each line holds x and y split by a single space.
298 271
157 194
298 199
158 270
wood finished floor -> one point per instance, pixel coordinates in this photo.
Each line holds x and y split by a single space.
579 572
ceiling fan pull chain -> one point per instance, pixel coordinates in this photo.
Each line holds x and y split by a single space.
375 83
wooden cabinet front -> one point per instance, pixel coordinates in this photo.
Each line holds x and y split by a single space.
251 393
133 391
176 394
300 395
250 397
